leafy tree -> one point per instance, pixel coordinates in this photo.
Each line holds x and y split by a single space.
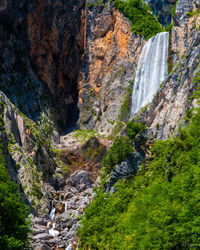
14 226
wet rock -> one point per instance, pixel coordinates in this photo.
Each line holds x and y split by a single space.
68 195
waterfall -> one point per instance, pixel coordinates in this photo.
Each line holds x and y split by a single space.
53 232
66 206
151 71
52 214
69 247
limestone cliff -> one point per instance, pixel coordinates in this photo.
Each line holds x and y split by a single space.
41 50
107 72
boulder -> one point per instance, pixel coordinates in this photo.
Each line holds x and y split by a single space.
81 177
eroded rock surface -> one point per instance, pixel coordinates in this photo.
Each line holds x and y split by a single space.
107 73
41 45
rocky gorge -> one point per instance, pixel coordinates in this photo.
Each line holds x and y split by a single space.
66 78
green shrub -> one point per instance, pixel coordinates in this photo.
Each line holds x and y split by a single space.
122 146
120 149
143 23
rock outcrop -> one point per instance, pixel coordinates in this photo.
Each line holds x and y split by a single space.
107 72
30 160
172 100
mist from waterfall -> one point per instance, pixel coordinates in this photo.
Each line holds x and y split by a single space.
152 69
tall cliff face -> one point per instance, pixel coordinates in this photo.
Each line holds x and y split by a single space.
172 101
106 76
41 50
168 109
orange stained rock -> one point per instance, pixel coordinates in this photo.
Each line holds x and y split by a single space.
108 37
79 99
122 34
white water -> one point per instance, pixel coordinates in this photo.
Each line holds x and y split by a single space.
66 206
53 232
151 71
69 247
52 214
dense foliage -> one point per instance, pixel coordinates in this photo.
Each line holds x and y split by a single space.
13 214
122 146
160 208
14 226
143 23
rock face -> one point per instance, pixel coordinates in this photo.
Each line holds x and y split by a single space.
172 100
29 158
56 36
106 76
162 9
41 49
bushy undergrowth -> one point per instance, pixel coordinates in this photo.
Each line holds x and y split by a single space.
122 146
143 23
159 209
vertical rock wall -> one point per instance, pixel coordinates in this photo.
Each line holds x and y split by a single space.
107 73
41 48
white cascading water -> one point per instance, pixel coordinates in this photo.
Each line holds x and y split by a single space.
151 71
53 232
66 206
52 214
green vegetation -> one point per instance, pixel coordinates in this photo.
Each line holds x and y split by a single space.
84 134
122 146
126 106
95 3
138 12
14 226
159 209
193 13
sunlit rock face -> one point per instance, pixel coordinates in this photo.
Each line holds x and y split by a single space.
108 69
